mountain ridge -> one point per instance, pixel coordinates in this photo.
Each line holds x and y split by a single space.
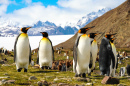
13 29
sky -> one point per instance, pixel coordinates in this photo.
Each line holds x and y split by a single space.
28 12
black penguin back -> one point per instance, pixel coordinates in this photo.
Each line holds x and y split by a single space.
104 56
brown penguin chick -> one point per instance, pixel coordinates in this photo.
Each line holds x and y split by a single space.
60 65
53 66
68 63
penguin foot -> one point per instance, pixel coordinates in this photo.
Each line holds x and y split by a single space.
84 75
19 70
89 74
25 70
46 67
77 75
42 67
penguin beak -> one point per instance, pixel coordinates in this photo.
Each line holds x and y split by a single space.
41 32
87 29
28 28
96 34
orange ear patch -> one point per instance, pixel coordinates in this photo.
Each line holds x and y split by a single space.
79 31
21 29
88 35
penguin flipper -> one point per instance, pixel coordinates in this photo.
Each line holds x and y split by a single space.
38 56
111 55
30 55
75 53
52 49
15 47
91 60
117 64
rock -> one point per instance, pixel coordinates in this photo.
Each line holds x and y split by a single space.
41 83
89 84
32 78
36 66
120 85
56 79
6 65
82 79
63 84
2 62
10 81
54 85
4 77
110 80
6 74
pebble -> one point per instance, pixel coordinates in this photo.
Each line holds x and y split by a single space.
32 78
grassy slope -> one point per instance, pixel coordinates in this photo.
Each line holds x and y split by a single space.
49 75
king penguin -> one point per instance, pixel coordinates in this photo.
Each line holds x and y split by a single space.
106 56
81 53
22 50
115 55
93 52
45 55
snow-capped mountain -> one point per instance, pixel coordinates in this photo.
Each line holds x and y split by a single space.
10 28
90 17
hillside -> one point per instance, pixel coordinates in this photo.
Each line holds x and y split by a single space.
114 21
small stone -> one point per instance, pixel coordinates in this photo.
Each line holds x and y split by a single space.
41 83
120 85
54 85
82 79
10 81
6 74
63 84
32 78
56 79
89 84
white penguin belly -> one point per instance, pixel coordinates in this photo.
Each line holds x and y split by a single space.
83 57
22 52
45 53
94 49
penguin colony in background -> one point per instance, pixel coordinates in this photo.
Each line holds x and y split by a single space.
84 53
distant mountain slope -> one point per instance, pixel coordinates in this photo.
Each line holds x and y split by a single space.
114 21
9 28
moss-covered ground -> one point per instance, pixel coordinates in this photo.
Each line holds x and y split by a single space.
49 75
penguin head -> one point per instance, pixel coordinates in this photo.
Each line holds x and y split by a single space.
44 34
108 36
25 29
112 39
92 35
83 30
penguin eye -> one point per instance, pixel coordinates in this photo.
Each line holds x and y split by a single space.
79 31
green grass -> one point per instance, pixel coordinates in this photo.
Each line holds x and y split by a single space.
49 75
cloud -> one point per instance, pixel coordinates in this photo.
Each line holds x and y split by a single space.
66 11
